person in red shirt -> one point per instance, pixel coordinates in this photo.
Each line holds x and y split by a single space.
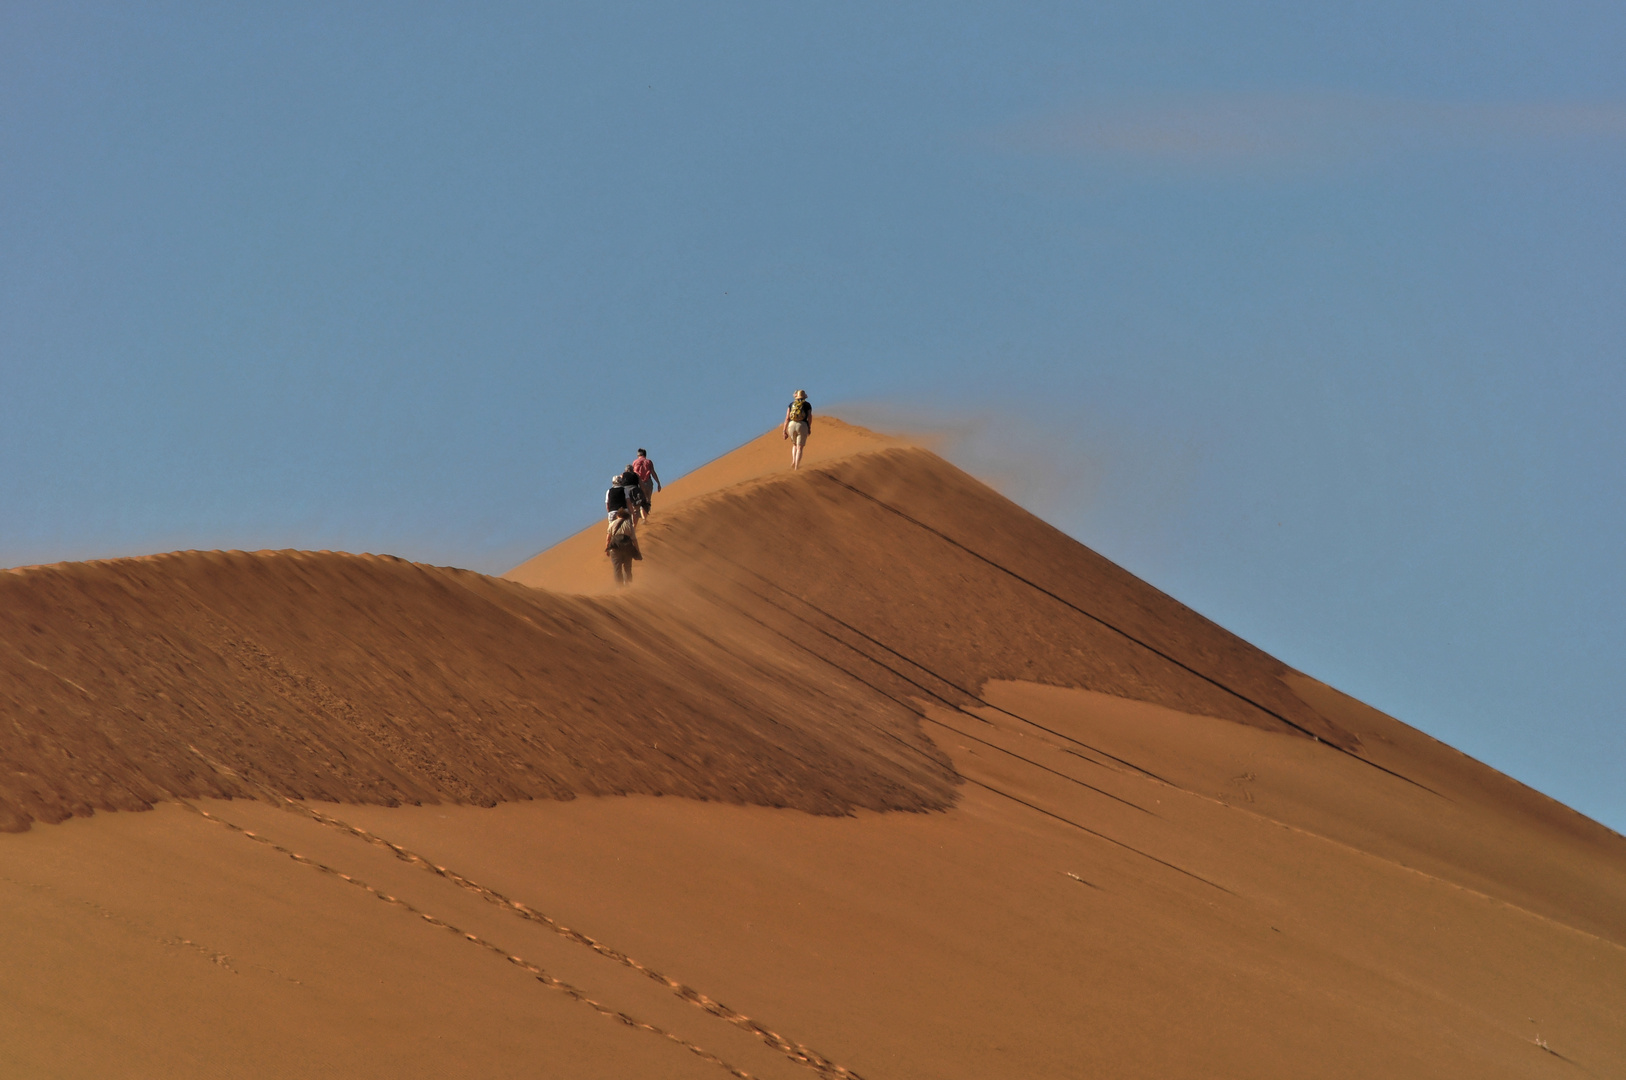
649 481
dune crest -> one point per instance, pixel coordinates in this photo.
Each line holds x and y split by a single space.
772 653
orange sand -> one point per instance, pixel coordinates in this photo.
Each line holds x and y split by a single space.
1164 854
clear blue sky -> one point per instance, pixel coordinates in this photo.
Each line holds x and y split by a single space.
1311 314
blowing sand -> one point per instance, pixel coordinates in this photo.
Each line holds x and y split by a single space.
1132 845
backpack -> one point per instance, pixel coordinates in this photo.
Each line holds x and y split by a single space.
800 410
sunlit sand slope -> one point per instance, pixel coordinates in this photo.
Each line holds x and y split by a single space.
1040 929
576 565
1150 850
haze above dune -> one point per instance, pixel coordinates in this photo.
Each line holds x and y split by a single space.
1135 846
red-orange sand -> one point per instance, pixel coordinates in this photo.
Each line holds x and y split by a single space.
922 789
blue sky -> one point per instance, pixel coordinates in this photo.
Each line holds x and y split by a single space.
1312 315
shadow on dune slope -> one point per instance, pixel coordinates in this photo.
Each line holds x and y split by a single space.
369 679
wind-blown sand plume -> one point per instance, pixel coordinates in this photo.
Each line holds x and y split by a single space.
1141 846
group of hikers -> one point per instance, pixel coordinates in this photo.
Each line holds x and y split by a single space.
627 502
632 491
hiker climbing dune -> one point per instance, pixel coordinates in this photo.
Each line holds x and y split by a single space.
798 426
649 481
633 489
621 545
615 499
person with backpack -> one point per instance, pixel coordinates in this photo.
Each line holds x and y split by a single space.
634 492
649 481
615 500
798 425
621 545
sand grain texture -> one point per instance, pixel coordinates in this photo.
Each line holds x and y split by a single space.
907 784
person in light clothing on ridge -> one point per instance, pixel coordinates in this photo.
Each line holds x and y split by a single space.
798 425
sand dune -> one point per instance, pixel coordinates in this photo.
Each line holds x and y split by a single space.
356 678
1138 846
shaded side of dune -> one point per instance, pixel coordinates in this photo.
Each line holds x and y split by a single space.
370 679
